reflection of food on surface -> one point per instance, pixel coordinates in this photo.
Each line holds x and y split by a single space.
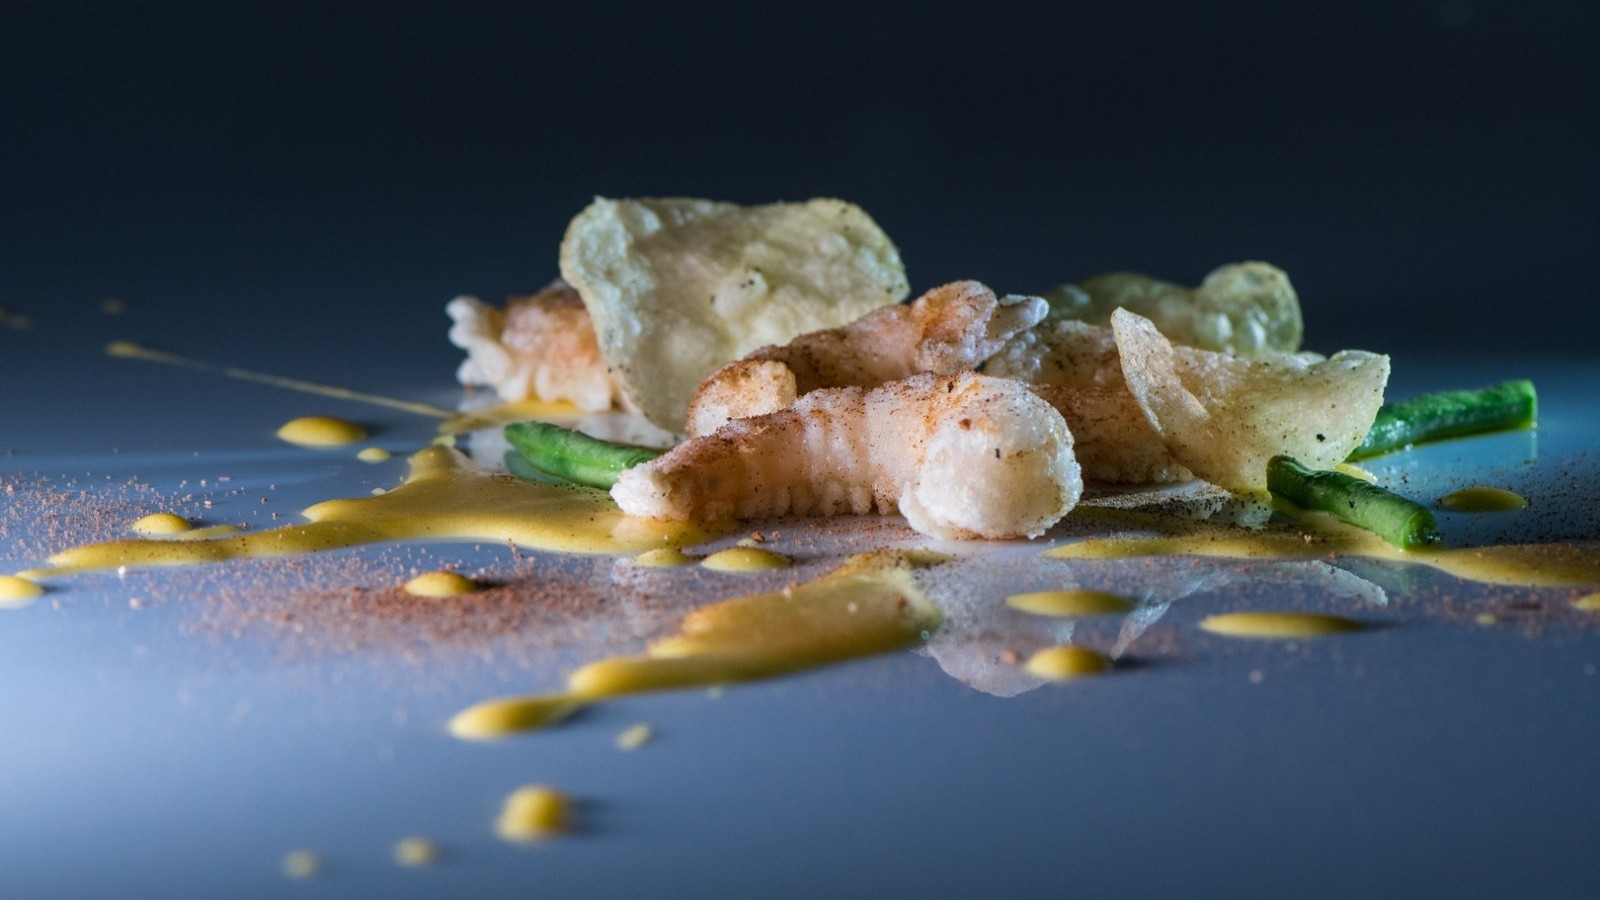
17 592
635 736
160 523
871 604
441 584
1480 499
1066 663
746 559
321 431
415 852
1277 624
533 812
1070 603
442 498
302 864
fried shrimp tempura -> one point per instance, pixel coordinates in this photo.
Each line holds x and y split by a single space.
540 346
950 329
960 456
1077 369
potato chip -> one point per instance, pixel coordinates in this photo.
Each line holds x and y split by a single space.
1223 417
1243 308
677 287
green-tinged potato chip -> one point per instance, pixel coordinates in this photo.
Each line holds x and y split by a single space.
677 287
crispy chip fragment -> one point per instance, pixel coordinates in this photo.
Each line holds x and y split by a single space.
1223 417
677 287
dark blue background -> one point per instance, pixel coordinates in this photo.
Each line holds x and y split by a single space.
1428 173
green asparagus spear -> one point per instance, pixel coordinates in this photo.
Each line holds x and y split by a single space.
1431 417
574 456
1403 523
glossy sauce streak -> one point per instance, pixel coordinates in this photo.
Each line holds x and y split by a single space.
867 606
444 498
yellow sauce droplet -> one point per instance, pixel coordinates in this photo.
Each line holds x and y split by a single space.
1530 565
321 431
662 558
373 455
441 584
635 736
746 559
1278 624
302 864
1483 499
869 605
444 497
17 592
533 812
494 719
1070 603
1066 663
415 852
1588 602
1486 619
160 523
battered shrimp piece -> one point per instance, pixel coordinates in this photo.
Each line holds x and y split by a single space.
960 456
950 329
540 346
1076 368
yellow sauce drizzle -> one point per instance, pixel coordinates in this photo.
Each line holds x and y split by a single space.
321 431
1480 499
1531 565
746 559
1070 604
131 350
533 812
1066 662
1278 624
443 498
373 455
415 852
635 736
663 558
17 592
868 605
441 584
160 523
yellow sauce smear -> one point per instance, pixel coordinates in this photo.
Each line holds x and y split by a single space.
1482 500
869 605
1530 565
745 559
17 592
443 498
1066 663
1278 624
321 431
441 584
1070 604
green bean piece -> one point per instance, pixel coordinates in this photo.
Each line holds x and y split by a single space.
573 456
1404 523
1502 407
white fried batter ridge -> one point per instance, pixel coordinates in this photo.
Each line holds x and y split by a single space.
950 329
540 346
960 456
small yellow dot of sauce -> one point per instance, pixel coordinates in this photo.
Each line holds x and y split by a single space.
15 591
1588 602
1483 499
1069 603
1066 662
373 455
1277 624
745 559
302 864
321 431
414 852
161 523
662 558
532 813
441 584
635 737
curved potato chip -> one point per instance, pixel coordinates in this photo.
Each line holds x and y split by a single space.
677 287
1245 308
1223 417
